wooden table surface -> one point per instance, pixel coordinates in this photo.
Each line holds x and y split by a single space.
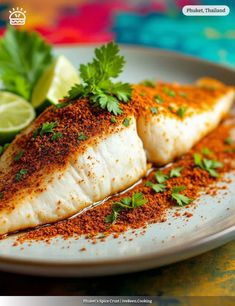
210 274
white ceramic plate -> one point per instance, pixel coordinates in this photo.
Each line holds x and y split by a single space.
212 224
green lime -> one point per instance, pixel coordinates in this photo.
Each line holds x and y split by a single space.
54 83
15 115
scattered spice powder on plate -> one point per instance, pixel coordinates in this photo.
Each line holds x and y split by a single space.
93 224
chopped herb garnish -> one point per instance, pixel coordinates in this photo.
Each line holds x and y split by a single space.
126 122
143 94
19 155
82 136
133 202
206 151
56 136
1 195
169 92
46 128
148 83
228 141
158 99
113 120
181 111
171 108
154 110
62 105
20 174
183 94
207 164
3 148
176 172
156 187
161 177
181 199
97 80
229 150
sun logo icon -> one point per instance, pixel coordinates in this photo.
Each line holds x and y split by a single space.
17 16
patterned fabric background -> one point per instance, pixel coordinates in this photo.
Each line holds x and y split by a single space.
155 23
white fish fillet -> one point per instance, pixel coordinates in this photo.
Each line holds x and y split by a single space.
166 136
65 176
105 167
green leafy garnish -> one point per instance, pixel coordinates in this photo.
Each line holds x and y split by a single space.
24 56
20 174
1 195
97 84
133 202
176 172
126 122
169 92
19 155
113 120
143 94
82 136
62 105
48 128
181 199
181 111
161 177
56 136
206 151
154 110
183 94
228 141
207 164
3 148
156 187
158 99
148 83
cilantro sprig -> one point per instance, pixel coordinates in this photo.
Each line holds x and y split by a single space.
207 164
136 200
23 58
97 80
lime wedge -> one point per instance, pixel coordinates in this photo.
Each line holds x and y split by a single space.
15 115
55 83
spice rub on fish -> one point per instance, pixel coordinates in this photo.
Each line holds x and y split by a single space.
172 118
71 156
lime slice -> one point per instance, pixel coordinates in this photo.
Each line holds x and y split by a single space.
15 115
55 83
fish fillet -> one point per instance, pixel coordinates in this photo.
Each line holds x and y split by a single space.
174 118
87 156
92 160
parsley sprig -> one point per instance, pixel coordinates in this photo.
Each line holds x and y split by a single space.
136 200
97 80
207 164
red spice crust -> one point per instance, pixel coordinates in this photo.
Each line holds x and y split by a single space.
92 222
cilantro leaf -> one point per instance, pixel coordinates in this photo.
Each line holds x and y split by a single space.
97 84
160 177
176 172
3 148
206 151
181 111
178 197
19 155
207 164
228 141
23 57
156 187
136 200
